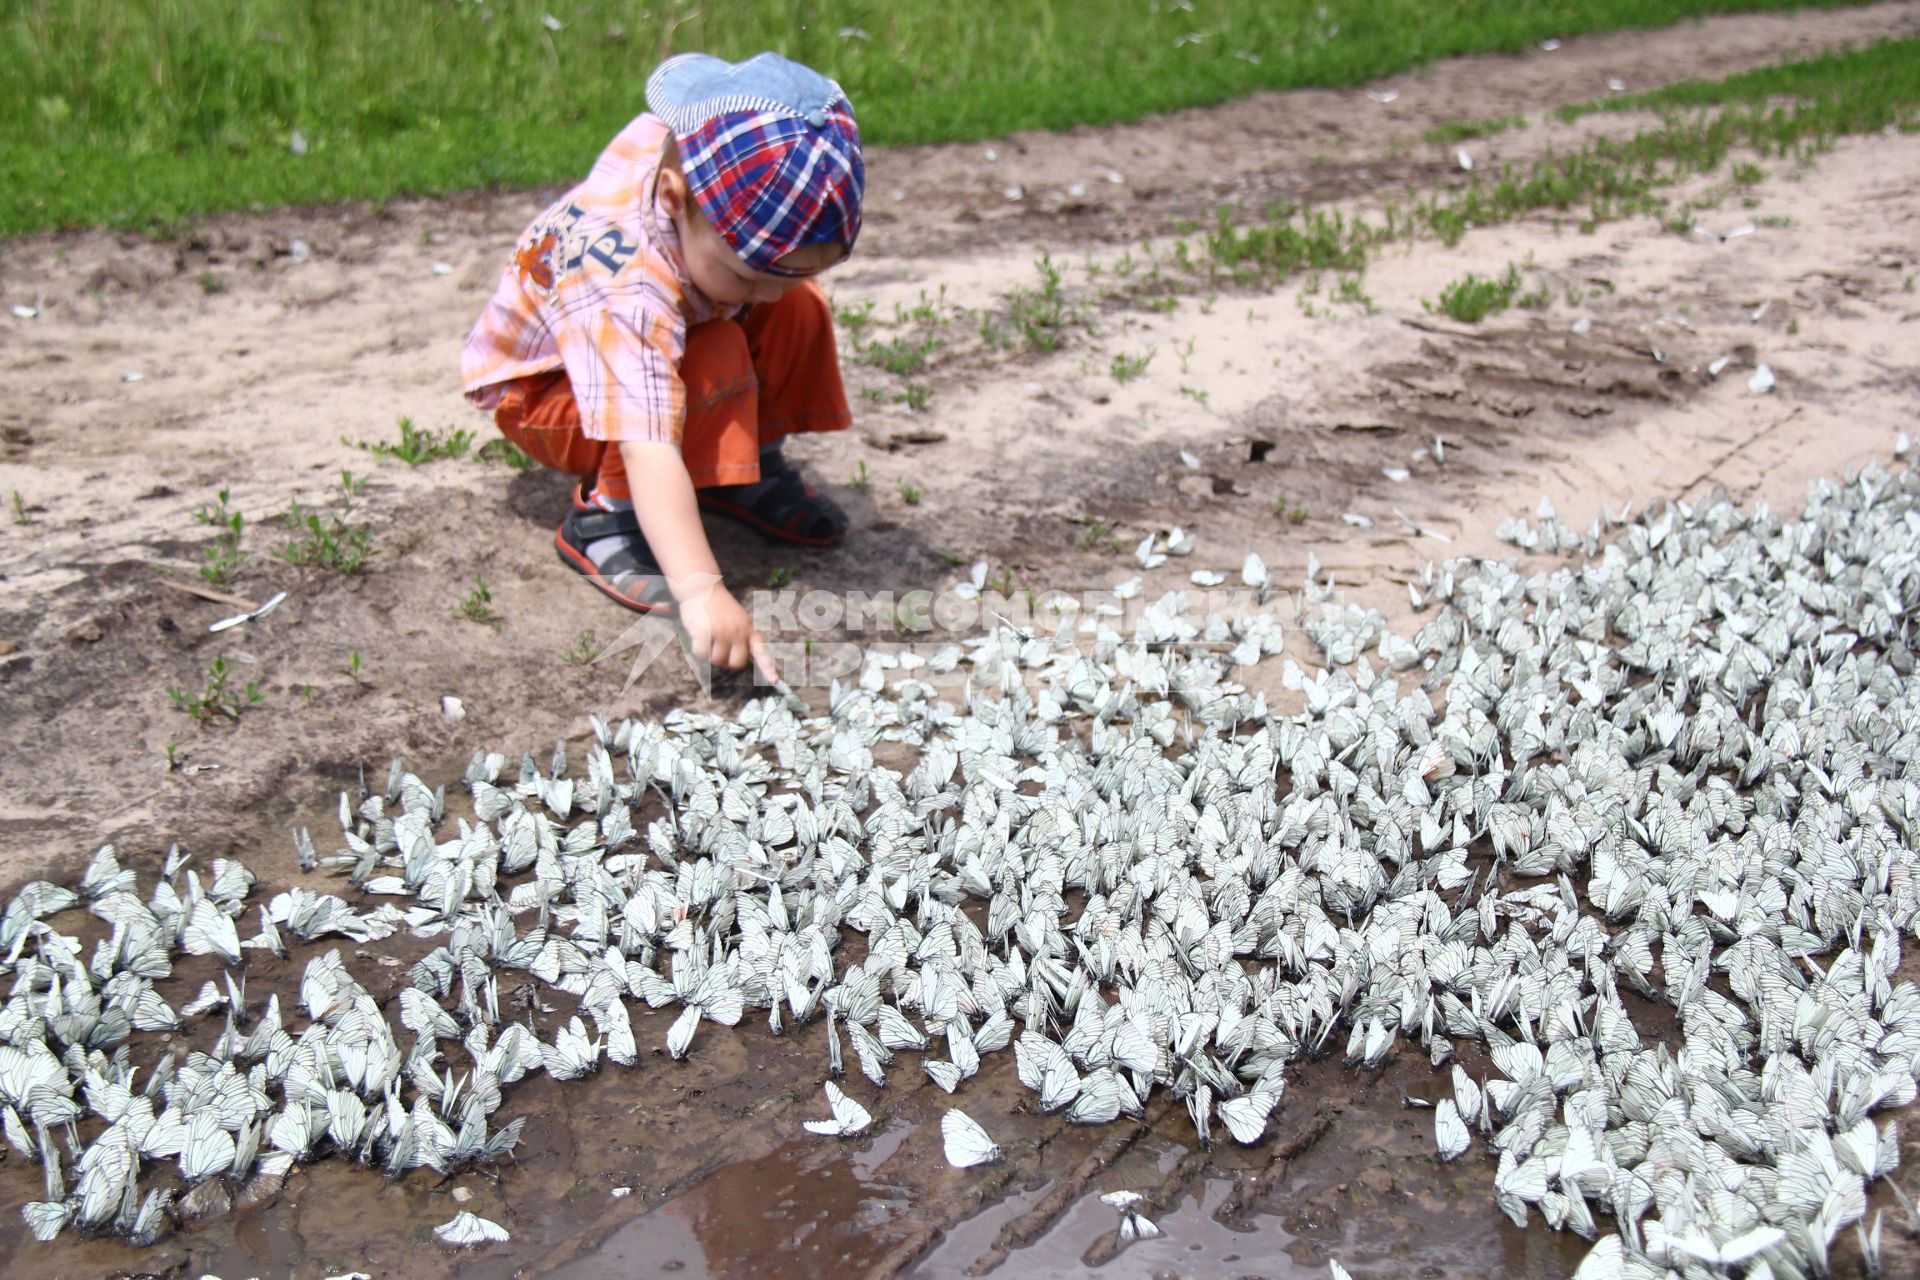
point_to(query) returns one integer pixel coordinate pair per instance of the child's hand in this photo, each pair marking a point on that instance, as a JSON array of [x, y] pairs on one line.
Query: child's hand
[[720, 632]]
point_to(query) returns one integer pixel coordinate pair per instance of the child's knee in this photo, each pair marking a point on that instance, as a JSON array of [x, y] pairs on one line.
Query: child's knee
[[717, 364]]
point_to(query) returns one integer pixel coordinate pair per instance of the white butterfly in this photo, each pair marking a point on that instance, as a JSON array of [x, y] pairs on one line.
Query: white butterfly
[[1735, 1251], [966, 1142], [208, 1149], [470, 1229], [616, 1025], [572, 1054], [1450, 1134], [849, 1117], [680, 1034], [1246, 1115], [422, 1016], [45, 1218], [1134, 1225], [210, 932]]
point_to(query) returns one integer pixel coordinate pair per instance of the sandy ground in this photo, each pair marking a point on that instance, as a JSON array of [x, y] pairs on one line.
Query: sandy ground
[[254, 359]]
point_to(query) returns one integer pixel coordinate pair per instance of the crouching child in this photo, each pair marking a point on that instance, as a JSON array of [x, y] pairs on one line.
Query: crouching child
[[659, 334]]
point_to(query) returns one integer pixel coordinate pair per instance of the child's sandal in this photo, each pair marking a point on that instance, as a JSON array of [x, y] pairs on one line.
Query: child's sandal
[[630, 576], [790, 511]]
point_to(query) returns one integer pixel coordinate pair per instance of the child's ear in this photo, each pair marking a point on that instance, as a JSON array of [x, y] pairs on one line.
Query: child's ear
[[673, 192]]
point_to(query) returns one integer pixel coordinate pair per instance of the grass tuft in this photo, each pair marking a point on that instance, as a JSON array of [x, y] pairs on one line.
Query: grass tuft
[[418, 444]]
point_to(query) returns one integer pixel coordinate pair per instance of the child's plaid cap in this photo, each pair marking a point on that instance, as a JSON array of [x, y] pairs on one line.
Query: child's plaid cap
[[770, 150]]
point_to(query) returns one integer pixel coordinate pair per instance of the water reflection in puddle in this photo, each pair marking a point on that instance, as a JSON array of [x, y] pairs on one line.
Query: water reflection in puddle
[[1193, 1247], [818, 1208]]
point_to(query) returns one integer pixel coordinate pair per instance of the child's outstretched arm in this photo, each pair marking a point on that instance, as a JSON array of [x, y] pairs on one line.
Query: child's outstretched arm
[[718, 628]]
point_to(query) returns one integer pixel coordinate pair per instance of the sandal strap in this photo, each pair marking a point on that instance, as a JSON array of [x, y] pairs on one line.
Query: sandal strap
[[792, 506], [590, 524]]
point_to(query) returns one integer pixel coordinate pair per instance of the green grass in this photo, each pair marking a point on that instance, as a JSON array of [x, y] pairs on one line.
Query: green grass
[[1465, 130], [146, 114], [1849, 83], [1794, 110]]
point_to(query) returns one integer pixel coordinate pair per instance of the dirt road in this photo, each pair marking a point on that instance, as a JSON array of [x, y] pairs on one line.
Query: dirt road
[[241, 357]]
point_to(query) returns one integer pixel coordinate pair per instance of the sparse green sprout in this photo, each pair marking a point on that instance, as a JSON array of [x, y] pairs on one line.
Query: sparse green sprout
[[927, 311], [1042, 315], [874, 395], [1349, 290], [327, 541], [352, 670], [1195, 394], [1002, 582], [215, 698], [781, 576], [583, 649], [861, 480], [915, 396], [22, 516], [1099, 533], [171, 748], [477, 605], [218, 561], [900, 355], [1747, 174], [1126, 368], [418, 445], [504, 450], [854, 319], [211, 284], [1289, 512], [910, 493]]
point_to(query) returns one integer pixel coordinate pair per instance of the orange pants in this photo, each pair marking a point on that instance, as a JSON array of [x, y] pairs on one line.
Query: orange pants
[[773, 373]]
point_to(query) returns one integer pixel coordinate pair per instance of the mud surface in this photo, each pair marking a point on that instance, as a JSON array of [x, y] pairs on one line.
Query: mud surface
[[256, 359]]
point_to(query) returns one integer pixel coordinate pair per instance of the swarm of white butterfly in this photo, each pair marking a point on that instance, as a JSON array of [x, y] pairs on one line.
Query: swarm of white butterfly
[[1678, 768]]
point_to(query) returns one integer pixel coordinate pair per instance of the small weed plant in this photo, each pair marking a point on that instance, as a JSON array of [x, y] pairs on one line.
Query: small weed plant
[[219, 560], [583, 649], [1126, 368], [1472, 299], [506, 452], [417, 444], [1291, 512], [325, 540], [216, 697], [477, 605]]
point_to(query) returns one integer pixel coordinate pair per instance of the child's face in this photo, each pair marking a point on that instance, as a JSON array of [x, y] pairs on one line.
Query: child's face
[[717, 271]]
